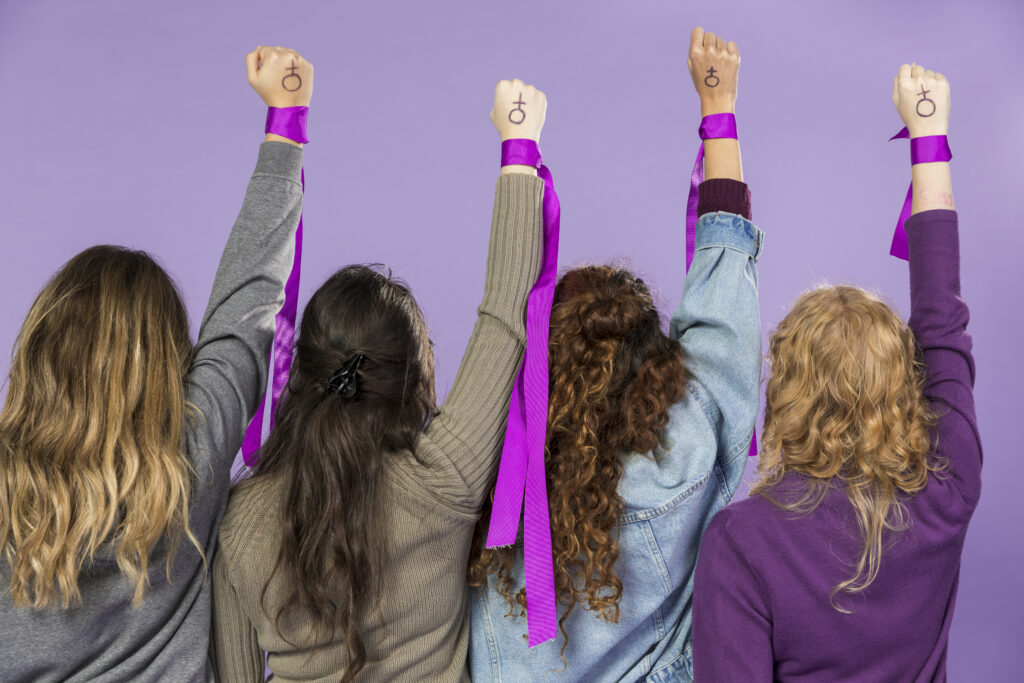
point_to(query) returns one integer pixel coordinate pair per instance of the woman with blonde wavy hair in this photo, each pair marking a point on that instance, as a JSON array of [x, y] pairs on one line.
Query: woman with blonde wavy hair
[[843, 564], [647, 438], [117, 437]]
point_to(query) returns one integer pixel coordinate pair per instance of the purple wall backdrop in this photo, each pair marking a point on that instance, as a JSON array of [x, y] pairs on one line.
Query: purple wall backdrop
[[132, 123]]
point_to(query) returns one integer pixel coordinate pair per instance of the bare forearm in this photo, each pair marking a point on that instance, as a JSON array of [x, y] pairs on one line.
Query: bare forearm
[[933, 187], [921, 97], [277, 138], [714, 67], [722, 159]]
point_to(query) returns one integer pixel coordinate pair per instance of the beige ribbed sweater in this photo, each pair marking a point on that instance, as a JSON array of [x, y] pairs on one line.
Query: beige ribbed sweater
[[432, 500]]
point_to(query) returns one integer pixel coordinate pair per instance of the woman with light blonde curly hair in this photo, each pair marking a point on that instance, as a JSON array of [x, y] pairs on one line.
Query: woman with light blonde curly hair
[[647, 437], [843, 564]]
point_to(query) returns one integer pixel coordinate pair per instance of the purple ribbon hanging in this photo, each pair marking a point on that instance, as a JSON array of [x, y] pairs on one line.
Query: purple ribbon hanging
[[521, 483], [288, 122], [713, 126], [923, 150]]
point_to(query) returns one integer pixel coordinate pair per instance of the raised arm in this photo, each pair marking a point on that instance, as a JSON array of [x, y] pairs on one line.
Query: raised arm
[[938, 315], [467, 433], [229, 371], [718, 322], [714, 66]]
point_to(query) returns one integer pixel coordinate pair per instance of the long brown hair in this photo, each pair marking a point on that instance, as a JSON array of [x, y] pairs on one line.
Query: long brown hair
[[332, 451], [845, 402], [613, 376], [91, 429]]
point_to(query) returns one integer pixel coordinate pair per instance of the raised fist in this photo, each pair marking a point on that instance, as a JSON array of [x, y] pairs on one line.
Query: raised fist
[[714, 67], [519, 110], [280, 76], [922, 100]]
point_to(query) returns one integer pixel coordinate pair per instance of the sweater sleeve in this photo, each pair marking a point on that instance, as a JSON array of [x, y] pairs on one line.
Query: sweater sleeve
[[468, 430], [732, 629], [229, 371], [724, 194], [938, 318], [234, 647], [718, 324]]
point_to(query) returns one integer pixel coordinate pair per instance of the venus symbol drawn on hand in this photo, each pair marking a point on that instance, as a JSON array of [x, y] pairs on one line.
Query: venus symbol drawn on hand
[[923, 100], [711, 77], [284, 81], [519, 108]]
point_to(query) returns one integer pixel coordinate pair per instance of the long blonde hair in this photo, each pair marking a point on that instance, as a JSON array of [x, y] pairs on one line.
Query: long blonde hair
[[845, 402], [91, 429]]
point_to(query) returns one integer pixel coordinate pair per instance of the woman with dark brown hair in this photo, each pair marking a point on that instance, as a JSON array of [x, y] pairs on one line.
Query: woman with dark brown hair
[[117, 437], [647, 435], [344, 556]]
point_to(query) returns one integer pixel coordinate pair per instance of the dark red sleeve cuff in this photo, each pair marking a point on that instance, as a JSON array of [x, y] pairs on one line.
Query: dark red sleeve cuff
[[724, 194]]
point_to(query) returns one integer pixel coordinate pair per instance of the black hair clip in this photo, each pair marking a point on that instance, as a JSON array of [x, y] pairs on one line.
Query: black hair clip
[[343, 382]]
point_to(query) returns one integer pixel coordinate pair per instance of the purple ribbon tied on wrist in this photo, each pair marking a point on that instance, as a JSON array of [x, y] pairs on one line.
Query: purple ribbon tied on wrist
[[923, 150], [288, 122], [712, 127], [522, 483]]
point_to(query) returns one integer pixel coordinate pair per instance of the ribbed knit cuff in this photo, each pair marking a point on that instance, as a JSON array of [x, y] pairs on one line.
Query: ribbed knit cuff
[[724, 194]]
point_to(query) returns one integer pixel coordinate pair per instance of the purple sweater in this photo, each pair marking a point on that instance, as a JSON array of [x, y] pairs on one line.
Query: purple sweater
[[761, 590]]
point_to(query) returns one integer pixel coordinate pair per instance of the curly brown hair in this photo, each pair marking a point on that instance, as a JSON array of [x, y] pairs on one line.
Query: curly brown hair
[[613, 376]]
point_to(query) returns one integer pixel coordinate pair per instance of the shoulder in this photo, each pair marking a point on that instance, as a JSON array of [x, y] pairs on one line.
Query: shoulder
[[742, 528], [252, 512]]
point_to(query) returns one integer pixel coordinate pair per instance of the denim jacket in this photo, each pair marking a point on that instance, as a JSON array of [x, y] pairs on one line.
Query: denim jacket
[[669, 495]]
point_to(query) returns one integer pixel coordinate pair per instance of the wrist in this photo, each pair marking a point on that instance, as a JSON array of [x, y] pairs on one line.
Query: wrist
[[278, 138], [518, 168], [709, 107], [926, 132], [515, 135]]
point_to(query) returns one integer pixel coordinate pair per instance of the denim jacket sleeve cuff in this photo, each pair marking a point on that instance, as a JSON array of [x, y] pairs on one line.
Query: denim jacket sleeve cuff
[[728, 230]]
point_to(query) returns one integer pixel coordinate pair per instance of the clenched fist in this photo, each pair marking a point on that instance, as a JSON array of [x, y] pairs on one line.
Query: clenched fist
[[519, 110], [280, 76], [715, 68], [922, 100]]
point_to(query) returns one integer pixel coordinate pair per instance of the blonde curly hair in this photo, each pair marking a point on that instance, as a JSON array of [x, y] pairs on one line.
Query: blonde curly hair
[[845, 401]]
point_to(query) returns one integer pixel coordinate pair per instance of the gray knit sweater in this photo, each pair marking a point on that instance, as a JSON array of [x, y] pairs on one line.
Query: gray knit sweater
[[432, 500], [166, 639]]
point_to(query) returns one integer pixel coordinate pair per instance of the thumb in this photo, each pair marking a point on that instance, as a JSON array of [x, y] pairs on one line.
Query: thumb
[[252, 61]]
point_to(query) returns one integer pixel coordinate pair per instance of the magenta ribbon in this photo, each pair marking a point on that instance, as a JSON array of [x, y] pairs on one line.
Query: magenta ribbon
[[923, 150], [522, 456], [711, 127], [288, 122]]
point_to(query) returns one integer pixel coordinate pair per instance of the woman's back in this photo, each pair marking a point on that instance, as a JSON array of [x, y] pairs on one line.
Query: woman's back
[[413, 624], [766, 574], [797, 561], [412, 634], [669, 494], [166, 638]]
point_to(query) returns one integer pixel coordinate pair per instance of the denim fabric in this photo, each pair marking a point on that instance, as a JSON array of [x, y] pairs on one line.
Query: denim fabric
[[669, 495]]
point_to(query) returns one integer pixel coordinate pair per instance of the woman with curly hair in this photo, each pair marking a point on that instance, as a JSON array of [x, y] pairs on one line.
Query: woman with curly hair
[[647, 435], [343, 558], [844, 564], [117, 437]]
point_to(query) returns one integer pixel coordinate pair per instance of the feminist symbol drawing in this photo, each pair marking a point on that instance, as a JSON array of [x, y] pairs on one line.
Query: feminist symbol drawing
[[925, 99], [711, 77], [519, 108], [298, 78]]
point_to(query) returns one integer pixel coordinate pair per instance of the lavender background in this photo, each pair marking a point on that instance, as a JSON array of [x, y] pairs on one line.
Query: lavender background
[[132, 123]]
